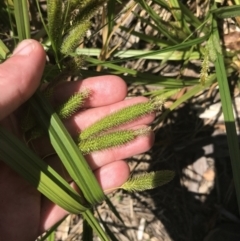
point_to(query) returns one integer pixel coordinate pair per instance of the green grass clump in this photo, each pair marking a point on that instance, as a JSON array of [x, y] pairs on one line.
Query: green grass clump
[[181, 38]]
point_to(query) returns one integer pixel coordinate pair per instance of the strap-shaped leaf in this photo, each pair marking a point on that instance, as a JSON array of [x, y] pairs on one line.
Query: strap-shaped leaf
[[92, 221], [183, 45], [22, 19], [226, 101], [21, 159], [227, 12], [67, 150]]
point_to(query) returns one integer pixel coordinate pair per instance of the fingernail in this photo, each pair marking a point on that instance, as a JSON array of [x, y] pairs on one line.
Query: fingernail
[[24, 48]]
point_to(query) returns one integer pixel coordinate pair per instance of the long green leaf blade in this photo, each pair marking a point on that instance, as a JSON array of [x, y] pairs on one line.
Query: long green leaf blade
[[176, 47], [227, 12], [88, 216], [176, 55], [229, 119], [38, 173], [22, 19], [67, 151], [3, 51]]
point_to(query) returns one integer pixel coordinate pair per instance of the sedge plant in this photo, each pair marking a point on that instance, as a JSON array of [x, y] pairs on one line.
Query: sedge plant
[[182, 37], [65, 31], [67, 22]]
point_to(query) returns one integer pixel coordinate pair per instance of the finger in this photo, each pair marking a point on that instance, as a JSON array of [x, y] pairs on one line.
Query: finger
[[140, 145], [85, 118], [104, 90], [101, 158], [109, 177], [20, 75]]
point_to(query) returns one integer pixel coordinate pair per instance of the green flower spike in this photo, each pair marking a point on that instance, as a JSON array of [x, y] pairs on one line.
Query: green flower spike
[[212, 48], [55, 22], [147, 181], [109, 140], [205, 67], [73, 104], [122, 116], [74, 37]]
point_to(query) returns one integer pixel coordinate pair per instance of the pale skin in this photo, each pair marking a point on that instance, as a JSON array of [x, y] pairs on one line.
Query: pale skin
[[24, 212]]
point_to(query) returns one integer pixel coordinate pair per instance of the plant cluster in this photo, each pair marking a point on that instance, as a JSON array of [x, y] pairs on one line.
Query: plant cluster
[[182, 38], [67, 24]]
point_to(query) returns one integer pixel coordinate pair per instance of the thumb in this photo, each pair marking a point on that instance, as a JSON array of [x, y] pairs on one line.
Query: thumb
[[20, 75]]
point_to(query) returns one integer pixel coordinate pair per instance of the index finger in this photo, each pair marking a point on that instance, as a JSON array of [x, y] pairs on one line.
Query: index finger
[[104, 90]]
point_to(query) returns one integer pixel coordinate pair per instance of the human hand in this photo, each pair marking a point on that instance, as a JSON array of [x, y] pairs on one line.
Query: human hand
[[24, 212]]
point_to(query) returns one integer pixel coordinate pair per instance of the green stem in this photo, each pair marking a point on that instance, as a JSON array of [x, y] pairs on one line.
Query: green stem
[[89, 217], [229, 119], [22, 19]]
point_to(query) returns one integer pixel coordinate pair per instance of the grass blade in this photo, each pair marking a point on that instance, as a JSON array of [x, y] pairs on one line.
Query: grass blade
[[227, 12], [113, 209], [176, 47], [158, 21], [3, 50], [21, 159], [67, 151], [48, 234], [196, 89], [176, 55], [22, 19], [87, 233], [229, 119], [88, 216], [107, 229]]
